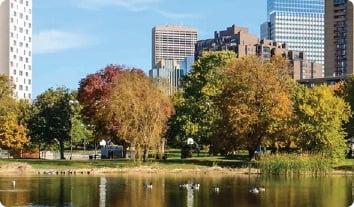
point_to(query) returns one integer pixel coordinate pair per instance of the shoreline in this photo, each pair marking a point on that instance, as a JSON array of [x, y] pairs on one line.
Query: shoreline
[[23, 169]]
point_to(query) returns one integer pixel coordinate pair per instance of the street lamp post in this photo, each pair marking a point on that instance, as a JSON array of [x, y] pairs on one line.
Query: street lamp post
[[71, 103]]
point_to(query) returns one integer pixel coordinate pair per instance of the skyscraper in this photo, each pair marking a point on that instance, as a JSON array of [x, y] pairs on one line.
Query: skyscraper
[[172, 55], [339, 39], [16, 45], [172, 43], [299, 24]]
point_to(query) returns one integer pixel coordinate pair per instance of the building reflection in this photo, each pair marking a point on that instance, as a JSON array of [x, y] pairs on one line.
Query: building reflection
[[103, 189]]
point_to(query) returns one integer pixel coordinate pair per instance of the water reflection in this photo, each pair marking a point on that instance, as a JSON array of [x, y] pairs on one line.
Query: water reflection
[[103, 182], [129, 191]]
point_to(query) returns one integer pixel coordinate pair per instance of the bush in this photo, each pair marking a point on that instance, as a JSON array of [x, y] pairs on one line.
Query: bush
[[294, 164]]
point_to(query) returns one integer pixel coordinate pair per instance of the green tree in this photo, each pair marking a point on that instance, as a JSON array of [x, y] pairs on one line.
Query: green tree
[[196, 112], [320, 115], [51, 118], [255, 102]]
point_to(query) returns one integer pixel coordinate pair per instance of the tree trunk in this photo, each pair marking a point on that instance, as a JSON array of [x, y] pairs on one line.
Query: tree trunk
[[39, 151], [61, 145], [146, 154], [251, 153]]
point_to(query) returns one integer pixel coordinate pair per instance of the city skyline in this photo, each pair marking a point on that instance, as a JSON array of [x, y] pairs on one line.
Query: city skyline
[[92, 35]]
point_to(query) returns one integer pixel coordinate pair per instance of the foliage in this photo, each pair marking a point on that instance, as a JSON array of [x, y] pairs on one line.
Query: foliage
[[255, 103], [196, 112], [13, 136], [320, 115], [348, 95], [13, 133], [93, 92], [50, 122], [139, 111], [294, 164]]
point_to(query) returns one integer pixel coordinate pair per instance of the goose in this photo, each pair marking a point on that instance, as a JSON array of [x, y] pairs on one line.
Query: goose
[[148, 186], [183, 186], [14, 184], [349, 206], [1, 205], [196, 186], [216, 189], [254, 191]]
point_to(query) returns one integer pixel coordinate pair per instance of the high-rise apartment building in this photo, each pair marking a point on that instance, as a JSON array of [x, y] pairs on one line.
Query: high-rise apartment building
[[299, 24], [240, 41], [339, 39], [172, 43], [16, 45]]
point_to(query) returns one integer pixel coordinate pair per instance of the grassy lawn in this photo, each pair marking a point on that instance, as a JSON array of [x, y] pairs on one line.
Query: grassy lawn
[[173, 162]]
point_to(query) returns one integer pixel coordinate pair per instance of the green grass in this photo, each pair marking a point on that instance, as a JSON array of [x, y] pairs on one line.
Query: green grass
[[288, 164], [173, 162]]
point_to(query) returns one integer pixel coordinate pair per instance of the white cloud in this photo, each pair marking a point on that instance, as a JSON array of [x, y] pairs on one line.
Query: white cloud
[[174, 15], [52, 41], [134, 6]]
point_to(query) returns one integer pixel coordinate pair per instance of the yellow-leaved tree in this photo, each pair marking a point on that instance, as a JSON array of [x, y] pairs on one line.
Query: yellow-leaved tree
[[256, 102], [139, 110]]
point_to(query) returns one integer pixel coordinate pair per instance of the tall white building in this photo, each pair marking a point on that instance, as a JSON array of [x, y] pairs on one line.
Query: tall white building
[[299, 24], [16, 45], [172, 43]]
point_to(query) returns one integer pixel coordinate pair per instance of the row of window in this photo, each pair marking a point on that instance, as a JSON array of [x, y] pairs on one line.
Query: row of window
[[29, 67], [25, 53]]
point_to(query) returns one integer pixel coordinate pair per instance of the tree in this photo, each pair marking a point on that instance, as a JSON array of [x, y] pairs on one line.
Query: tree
[[13, 136], [51, 119], [139, 110], [320, 115], [13, 133], [255, 102], [196, 112], [92, 95], [346, 90]]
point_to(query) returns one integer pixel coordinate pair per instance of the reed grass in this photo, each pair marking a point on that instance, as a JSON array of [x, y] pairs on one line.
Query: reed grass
[[294, 164]]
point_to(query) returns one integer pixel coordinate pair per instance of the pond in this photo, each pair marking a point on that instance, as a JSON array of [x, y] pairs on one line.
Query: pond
[[129, 191]]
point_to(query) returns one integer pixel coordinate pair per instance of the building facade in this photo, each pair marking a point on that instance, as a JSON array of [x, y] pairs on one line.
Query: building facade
[[240, 41], [339, 39], [16, 45], [299, 24], [167, 75], [172, 43]]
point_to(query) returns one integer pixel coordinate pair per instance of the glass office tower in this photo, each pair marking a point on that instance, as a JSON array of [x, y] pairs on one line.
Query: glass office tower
[[299, 23]]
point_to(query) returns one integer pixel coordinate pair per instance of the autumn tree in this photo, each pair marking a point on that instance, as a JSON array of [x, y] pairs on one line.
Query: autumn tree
[[13, 132], [93, 93], [196, 112], [256, 101], [139, 111], [320, 116]]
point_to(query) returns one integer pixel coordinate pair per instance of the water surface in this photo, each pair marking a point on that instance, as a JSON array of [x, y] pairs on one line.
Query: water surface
[[128, 191]]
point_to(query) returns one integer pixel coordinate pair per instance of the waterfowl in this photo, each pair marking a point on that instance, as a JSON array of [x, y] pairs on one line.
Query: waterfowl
[[349, 206], [148, 186], [254, 191], [1, 205], [216, 189], [196, 186]]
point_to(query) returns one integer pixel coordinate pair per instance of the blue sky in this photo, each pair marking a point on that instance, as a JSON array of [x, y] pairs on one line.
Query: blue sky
[[73, 38]]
